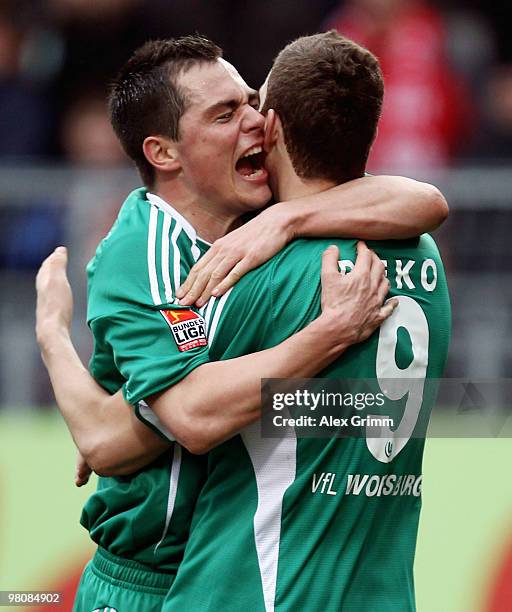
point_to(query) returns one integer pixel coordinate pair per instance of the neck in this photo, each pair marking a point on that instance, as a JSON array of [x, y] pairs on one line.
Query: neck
[[209, 221], [287, 185]]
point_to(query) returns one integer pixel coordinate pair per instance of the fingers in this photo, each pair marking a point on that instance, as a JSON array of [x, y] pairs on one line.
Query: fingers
[[58, 258], [388, 308], [61, 250], [221, 280], [241, 269], [215, 278], [382, 288], [82, 471], [53, 267], [330, 270], [329, 275], [363, 262], [330, 261], [194, 272], [81, 481], [375, 319], [206, 280], [377, 270], [194, 286], [224, 269], [82, 476]]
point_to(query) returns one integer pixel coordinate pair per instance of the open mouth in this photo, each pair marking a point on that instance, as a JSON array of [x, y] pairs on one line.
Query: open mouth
[[250, 165]]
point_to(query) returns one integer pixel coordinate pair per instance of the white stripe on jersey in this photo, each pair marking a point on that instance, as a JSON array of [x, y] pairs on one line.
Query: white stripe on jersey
[[167, 243], [158, 207], [180, 220], [207, 312], [173, 489], [165, 257], [153, 279], [218, 312], [177, 255], [274, 463], [148, 415]]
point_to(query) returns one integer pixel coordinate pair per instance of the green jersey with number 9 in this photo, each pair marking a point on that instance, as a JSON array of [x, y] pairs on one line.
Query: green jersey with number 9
[[319, 524]]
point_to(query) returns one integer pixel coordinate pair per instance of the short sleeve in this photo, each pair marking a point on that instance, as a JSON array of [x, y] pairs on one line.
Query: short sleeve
[[153, 348]]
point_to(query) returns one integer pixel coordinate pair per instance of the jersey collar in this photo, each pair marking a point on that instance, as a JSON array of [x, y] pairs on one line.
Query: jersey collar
[[178, 217]]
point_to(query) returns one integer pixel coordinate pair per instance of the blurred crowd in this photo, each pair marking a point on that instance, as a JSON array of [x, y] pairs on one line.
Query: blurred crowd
[[448, 69]]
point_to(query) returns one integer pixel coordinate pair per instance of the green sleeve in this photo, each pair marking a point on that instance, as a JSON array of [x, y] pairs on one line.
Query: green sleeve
[[150, 348]]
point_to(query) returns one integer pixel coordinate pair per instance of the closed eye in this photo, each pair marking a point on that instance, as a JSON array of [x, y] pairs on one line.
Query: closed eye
[[225, 117]]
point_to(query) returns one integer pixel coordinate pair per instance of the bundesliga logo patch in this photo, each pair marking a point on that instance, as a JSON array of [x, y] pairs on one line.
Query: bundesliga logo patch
[[188, 328]]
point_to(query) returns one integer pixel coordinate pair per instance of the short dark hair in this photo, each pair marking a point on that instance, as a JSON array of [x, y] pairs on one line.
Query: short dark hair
[[146, 98], [328, 92]]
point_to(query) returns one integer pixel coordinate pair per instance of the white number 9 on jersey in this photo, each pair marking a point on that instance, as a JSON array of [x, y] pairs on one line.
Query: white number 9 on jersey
[[396, 382]]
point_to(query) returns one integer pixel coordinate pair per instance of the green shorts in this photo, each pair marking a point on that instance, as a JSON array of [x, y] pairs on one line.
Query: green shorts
[[120, 585]]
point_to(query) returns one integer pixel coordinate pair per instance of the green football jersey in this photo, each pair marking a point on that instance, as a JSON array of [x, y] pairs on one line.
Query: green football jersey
[[317, 524], [144, 343]]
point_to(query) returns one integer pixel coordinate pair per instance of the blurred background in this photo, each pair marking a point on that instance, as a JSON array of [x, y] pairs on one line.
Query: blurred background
[[447, 119]]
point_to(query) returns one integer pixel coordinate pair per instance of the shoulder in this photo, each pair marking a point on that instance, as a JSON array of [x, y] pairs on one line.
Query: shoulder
[[296, 269], [304, 256], [428, 245], [128, 232], [303, 248], [140, 260]]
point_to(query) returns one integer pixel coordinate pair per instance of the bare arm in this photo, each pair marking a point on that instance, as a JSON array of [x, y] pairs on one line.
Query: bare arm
[[352, 308], [102, 426], [369, 208], [105, 429], [218, 399]]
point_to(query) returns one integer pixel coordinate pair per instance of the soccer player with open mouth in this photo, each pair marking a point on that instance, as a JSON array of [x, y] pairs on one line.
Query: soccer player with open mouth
[[199, 157]]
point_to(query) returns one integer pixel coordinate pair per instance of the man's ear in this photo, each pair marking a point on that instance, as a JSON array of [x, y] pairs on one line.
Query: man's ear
[[272, 129], [161, 153]]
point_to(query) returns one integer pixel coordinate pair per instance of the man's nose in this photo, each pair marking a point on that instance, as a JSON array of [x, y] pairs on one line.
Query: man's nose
[[253, 120]]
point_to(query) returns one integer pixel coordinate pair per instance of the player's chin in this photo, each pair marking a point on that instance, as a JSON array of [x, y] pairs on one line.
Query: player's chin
[[258, 200], [254, 194]]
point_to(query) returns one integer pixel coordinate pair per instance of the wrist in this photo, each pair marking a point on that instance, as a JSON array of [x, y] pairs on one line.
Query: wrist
[[51, 335], [326, 329], [285, 216]]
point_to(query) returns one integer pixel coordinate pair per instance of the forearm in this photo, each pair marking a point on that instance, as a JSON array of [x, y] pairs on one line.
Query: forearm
[[218, 399], [105, 429], [369, 208]]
